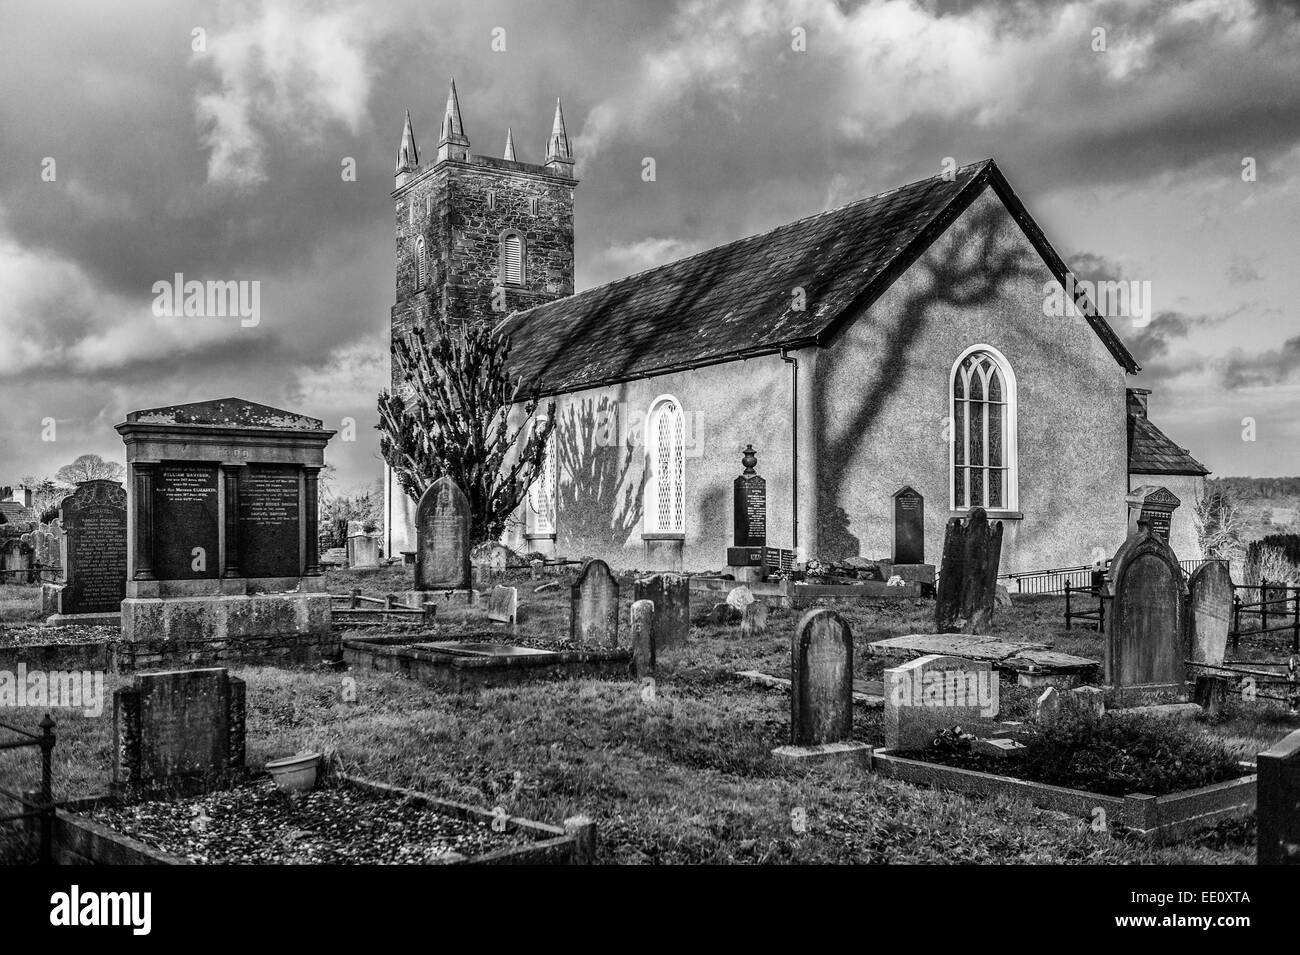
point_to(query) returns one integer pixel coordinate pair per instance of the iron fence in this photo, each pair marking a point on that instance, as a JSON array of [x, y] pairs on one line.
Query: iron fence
[[42, 807]]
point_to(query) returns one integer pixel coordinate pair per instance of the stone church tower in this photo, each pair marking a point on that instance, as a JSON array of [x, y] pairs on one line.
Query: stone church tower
[[477, 238]]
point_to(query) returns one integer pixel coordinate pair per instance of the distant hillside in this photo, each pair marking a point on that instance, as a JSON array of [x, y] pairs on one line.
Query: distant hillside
[[1266, 505]]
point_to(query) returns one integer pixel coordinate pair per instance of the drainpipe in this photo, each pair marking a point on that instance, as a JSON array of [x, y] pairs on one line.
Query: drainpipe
[[794, 446]]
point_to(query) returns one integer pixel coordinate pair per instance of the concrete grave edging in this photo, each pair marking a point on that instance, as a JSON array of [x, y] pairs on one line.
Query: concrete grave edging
[[1158, 818]]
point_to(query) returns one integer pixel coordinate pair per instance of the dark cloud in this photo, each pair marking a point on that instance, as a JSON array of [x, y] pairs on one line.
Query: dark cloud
[[1272, 367], [226, 164]]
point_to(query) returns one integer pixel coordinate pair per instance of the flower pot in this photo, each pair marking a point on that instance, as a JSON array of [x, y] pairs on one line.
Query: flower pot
[[295, 773]]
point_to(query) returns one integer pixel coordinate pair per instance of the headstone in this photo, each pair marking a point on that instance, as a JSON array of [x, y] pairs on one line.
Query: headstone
[[753, 621], [821, 677], [749, 503], [1278, 803], [671, 595], [179, 731], [1091, 698], [1209, 611], [642, 626], [593, 617], [1154, 505], [363, 552], [503, 605], [442, 522], [535, 568], [1047, 705], [1145, 632], [909, 526], [968, 577], [739, 598], [933, 693], [93, 518], [1002, 598]]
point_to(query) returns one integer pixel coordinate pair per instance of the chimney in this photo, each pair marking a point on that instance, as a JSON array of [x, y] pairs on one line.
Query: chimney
[[1137, 401]]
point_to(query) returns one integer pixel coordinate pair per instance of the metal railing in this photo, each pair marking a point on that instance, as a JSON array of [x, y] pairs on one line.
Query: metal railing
[[1268, 598], [1096, 614], [43, 806], [1055, 580]]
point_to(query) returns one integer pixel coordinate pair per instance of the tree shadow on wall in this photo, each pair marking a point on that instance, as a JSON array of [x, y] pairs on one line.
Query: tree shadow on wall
[[965, 269], [598, 499]]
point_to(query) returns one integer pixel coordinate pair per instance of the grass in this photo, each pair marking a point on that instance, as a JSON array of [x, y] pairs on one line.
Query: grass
[[687, 778]]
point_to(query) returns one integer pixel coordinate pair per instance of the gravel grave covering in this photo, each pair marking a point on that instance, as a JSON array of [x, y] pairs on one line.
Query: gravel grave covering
[[335, 824], [30, 636]]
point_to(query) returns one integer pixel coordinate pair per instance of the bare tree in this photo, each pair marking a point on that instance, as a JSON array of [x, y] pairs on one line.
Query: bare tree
[[1218, 522], [89, 467], [452, 416]]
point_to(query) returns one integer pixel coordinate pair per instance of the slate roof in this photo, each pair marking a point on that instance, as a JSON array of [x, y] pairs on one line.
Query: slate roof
[[735, 300], [1151, 452]]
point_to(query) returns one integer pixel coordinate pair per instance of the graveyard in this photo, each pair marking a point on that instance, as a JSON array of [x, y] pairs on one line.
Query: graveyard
[[674, 767]]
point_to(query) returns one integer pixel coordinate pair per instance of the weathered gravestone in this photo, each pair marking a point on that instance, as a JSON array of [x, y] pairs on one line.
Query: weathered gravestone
[[363, 552], [93, 579], [821, 676], [642, 628], [593, 601], [1145, 632], [671, 595], [1209, 610], [753, 621], [821, 691], [933, 693], [180, 731], [1278, 803], [442, 534], [968, 577], [909, 526], [503, 605]]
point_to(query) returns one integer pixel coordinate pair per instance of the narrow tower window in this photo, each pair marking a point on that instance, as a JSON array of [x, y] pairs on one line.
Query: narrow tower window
[[512, 259], [421, 264]]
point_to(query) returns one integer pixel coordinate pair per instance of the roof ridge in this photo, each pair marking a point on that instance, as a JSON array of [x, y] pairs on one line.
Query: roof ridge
[[737, 242]]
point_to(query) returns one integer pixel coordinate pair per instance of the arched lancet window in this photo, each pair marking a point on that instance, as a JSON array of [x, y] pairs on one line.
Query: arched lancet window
[[665, 493], [542, 495], [983, 392], [421, 263], [512, 258]]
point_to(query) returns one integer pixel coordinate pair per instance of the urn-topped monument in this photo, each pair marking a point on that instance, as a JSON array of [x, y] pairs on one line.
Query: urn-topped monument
[[221, 522]]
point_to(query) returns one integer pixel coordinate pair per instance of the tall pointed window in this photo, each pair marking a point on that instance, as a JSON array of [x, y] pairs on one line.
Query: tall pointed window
[[512, 259], [665, 493], [983, 431], [542, 494], [421, 263]]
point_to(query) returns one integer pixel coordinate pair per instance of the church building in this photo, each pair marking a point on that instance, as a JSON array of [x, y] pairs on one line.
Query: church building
[[900, 341]]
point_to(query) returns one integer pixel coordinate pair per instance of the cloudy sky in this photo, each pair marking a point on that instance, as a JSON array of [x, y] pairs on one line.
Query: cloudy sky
[[225, 163]]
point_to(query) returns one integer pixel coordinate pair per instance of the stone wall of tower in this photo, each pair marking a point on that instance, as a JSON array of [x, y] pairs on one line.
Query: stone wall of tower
[[462, 209]]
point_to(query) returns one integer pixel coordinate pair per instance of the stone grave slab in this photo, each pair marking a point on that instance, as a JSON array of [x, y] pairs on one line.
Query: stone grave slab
[[461, 648], [180, 730], [936, 692]]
